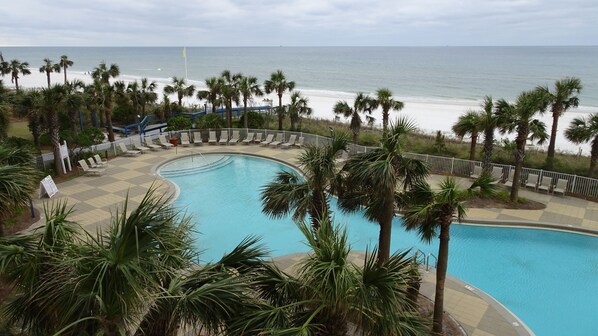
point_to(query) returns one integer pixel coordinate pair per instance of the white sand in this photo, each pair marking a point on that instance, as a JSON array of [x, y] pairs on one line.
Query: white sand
[[430, 116]]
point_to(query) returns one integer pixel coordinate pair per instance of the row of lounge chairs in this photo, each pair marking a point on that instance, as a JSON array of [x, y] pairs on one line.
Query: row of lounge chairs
[[94, 165], [546, 184], [255, 138]]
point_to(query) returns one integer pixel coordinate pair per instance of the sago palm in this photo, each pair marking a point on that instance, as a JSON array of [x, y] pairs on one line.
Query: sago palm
[[582, 130]]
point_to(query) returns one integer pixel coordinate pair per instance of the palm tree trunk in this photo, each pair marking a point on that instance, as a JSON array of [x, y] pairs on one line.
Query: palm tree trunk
[[48, 77], [319, 209], [519, 155], [280, 112], [65, 75], [386, 229], [55, 140], [229, 113], [246, 117], [17, 83], [474, 141], [384, 123], [443, 254], [488, 149], [108, 114], [551, 146], [593, 157]]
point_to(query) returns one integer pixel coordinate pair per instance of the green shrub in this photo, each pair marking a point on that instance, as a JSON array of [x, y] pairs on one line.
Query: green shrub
[[179, 123], [256, 120], [210, 120], [90, 137]]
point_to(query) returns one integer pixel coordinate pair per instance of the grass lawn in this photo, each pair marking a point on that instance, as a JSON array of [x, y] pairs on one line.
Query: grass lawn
[[19, 129]]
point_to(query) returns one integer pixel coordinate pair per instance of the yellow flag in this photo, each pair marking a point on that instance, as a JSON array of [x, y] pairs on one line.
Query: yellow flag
[[185, 52]]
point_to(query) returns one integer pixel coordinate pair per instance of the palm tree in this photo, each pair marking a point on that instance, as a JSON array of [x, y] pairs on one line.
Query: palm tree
[[489, 124], [65, 63], [179, 86], [373, 178], [17, 67], [51, 101], [519, 117], [583, 130], [248, 87], [48, 68], [469, 123], [386, 102], [212, 94], [73, 101], [279, 84], [19, 178], [4, 110], [147, 94], [229, 91], [297, 107], [561, 99], [290, 192], [362, 104], [427, 211], [102, 74]]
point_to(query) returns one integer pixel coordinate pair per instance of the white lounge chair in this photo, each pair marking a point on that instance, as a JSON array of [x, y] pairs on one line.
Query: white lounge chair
[[545, 184], [477, 172], [279, 139], [90, 171], [561, 187], [127, 151], [149, 143], [137, 145], [258, 138], [91, 163], [223, 138], [197, 138], [249, 138], [234, 138], [185, 139], [268, 140], [509, 181], [532, 181], [299, 142], [291, 141], [99, 161], [162, 142], [497, 173], [212, 139]]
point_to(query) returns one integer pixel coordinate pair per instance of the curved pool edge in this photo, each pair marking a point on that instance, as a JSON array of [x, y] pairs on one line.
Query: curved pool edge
[[529, 225]]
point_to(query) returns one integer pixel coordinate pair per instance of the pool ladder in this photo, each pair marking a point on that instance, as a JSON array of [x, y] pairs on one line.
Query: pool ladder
[[424, 259]]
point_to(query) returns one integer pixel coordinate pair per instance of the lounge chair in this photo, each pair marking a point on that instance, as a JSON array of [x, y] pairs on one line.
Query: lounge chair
[[561, 187], [149, 143], [497, 173], [268, 140], [509, 181], [299, 142], [90, 171], [545, 184], [279, 139], [212, 139], [342, 158], [91, 163], [137, 145], [185, 139], [291, 141], [234, 138], [99, 161], [258, 138], [126, 151], [532, 181], [197, 138], [477, 172], [249, 138], [223, 138], [162, 142]]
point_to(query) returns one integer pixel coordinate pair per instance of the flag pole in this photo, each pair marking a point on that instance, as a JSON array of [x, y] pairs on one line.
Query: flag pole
[[185, 57]]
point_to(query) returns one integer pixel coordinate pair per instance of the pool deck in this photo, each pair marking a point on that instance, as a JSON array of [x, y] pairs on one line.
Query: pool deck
[[96, 198]]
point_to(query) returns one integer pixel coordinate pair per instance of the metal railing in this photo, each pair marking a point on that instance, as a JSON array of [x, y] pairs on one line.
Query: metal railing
[[580, 186]]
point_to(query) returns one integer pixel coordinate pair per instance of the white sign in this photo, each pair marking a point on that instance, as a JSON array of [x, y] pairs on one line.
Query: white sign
[[47, 187]]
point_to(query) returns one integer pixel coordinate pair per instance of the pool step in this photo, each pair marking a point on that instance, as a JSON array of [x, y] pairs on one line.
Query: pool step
[[198, 167]]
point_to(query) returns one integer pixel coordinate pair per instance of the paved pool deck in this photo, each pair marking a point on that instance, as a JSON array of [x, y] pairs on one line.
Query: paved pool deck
[[96, 198]]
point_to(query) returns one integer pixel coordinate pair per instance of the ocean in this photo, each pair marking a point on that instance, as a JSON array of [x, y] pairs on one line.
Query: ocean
[[438, 82]]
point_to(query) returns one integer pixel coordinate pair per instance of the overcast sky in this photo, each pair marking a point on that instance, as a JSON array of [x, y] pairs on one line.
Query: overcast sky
[[298, 22]]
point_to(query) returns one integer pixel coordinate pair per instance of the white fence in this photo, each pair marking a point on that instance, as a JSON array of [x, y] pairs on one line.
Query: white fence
[[580, 186]]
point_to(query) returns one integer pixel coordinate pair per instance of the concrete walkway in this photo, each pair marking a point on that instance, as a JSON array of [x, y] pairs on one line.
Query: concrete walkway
[[96, 198]]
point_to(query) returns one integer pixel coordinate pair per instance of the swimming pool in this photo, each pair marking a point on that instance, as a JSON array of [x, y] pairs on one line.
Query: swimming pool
[[549, 279]]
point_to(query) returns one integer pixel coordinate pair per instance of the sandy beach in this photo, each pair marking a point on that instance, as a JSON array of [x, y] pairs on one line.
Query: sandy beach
[[429, 115]]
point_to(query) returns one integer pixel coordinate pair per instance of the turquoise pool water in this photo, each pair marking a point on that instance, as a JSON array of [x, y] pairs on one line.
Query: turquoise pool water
[[547, 278]]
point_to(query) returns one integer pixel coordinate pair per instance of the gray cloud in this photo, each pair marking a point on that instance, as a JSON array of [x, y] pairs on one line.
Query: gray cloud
[[298, 22]]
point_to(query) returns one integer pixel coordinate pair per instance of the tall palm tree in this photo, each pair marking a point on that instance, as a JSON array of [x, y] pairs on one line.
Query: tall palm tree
[[469, 123], [362, 104], [583, 130], [52, 99], [65, 63], [147, 94], [297, 107], [48, 68], [386, 102], [428, 211], [17, 67], [129, 93], [561, 99], [179, 86], [212, 94], [248, 87], [230, 93], [19, 178], [4, 110], [489, 124], [278, 83], [290, 192], [372, 180], [102, 74], [73, 101], [520, 117]]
